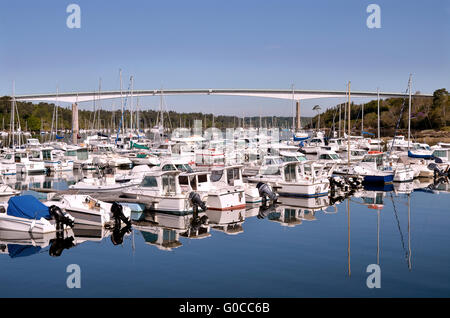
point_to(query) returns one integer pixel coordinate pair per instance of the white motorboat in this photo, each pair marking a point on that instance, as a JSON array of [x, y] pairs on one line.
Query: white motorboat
[[304, 180], [106, 183], [325, 155], [87, 210], [53, 159], [24, 164], [163, 190], [28, 214]]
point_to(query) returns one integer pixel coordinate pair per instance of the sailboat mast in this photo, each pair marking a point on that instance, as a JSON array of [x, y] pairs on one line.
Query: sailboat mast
[[99, 102], [293, 109], [409, 112], [340, 106], [362, 119], [13, 115], [56, 110], [349, 129], [378, 115], [131, 104], [121, 99]]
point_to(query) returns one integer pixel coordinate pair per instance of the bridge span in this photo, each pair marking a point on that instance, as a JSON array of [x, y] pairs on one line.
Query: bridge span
[[78, 97]]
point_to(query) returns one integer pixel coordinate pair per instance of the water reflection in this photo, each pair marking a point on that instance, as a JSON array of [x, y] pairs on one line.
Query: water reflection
[[400, 226]]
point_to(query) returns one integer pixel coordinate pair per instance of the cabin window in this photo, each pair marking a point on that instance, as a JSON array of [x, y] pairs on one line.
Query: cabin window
[[17, 158], [439, 153], [149, 182], [289, 159], [216, 175], [169, 185], [301, 158], [71, 153], [168, 168], [184, 180], [233, 174], [324, 157], [35, 154], [82, 154], [289, 173], [202, 178], [47, 154], [193, 182]]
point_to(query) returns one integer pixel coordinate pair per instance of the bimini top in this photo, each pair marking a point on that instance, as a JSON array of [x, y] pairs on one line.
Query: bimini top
[[27, 207]]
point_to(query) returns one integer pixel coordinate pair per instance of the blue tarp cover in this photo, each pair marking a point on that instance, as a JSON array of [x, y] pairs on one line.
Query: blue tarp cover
[[28, 207], [59, 137]]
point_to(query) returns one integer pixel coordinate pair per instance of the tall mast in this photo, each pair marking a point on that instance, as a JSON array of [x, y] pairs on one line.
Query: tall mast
[[121, 99], [409, 112], [137, 115], [99, 102], [131, 104], [362, 119], [340, 106], [349, 129], [378, 112], [13, 115], [56, 111], [345, 112], [293, 108]]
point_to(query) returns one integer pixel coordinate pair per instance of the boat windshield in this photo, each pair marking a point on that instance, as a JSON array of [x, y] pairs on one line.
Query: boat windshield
[[184, 167], [334, 156], [274, 161], [149, 182], [216, 175], [270, 171], [377, 159]]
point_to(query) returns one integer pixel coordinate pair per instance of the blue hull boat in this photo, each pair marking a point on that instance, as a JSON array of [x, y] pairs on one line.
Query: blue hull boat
[[419, 156], [379, 179]]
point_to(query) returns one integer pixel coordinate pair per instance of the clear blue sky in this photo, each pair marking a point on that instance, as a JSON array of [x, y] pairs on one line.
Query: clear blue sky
[[224, 44]]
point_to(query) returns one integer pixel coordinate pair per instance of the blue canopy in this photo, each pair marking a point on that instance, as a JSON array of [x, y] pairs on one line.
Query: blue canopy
[[59, 137], [28, 207], [368, 133], [16, 250]]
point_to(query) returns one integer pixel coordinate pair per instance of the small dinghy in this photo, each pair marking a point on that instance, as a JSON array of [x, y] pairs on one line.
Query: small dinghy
[[27, 214]]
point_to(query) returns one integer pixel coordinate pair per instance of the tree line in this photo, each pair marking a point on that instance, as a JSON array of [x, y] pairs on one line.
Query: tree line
[[36, 117], [426, 113]]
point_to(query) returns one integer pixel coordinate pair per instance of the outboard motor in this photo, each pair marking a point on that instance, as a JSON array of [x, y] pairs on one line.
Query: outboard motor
[[197, 222], [119, 232], [266, 192], [196, 201], [117, 212], [59, 244], [60, 218], [265, 210]]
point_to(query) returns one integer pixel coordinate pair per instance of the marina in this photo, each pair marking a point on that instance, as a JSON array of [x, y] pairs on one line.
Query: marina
[[216, 157], [250, 213]]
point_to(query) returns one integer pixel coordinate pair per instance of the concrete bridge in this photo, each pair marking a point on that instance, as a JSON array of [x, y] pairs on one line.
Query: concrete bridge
[[78, 97]]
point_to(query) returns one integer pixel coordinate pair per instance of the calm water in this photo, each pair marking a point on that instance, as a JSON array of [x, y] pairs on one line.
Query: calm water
[[282, 251]]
